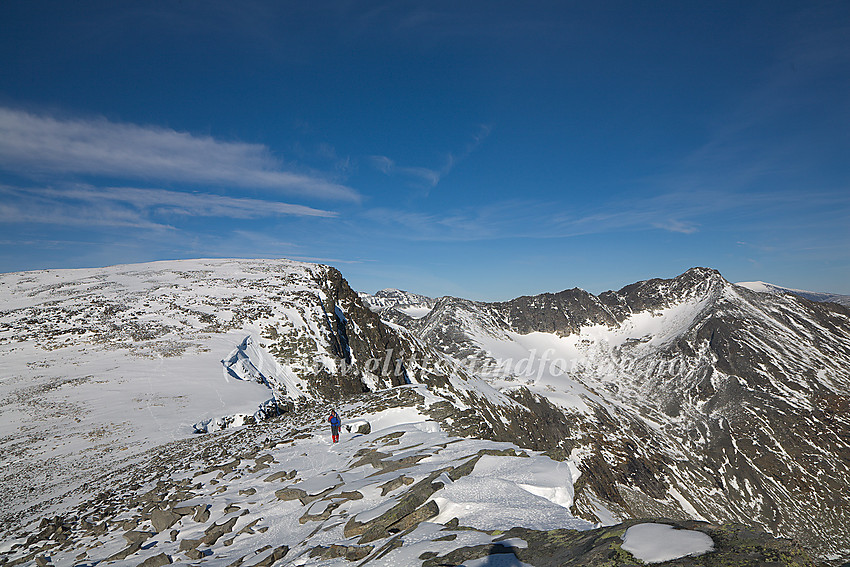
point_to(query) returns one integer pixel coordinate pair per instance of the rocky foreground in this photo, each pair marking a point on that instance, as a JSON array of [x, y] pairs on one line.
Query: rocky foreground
[[396, 491]]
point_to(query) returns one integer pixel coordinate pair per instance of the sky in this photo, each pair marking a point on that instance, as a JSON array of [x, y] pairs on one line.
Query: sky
[[483, 149]]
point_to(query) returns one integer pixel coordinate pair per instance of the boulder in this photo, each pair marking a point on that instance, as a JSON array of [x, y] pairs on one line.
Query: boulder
[[281, 475], [156, 561], [272, 557], [124, 553], [407, 505], [291, 493], [134, 536], [202, 514], [215, 531], [163, 519], [350, 552], [187, 544], [397, 482]]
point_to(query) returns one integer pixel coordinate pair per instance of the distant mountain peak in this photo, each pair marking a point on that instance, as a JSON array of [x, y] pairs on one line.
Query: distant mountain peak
[[765, 287], [406, 303]]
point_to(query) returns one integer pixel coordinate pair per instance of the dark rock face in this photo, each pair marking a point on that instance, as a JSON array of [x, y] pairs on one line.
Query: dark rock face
[[396, 299], [534, 422], [561, 313], [372, 340], [659, 293]]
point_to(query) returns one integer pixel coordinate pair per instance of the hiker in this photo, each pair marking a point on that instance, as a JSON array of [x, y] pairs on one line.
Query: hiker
[[335, 423]]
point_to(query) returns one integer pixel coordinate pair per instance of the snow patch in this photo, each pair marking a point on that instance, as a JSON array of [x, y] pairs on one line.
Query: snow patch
[[415, 312], [395, 417], [654, 543], [532, 492]]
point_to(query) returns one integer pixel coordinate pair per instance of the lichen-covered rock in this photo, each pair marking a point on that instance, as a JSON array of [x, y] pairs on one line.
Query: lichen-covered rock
[[395, 483], [276, 555], [136, 536], [407, 505], [161, 520], [290, 493], [280, 475], [349, 552], [124, 553], [187, 544], [202, 514], [215, 531]]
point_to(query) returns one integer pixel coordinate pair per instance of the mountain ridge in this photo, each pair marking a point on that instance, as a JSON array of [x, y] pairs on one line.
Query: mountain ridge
[[671, 398], [764, 287], [693, 355]]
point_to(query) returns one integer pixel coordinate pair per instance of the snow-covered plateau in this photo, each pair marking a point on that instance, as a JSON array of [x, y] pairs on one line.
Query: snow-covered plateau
[[175, 411]]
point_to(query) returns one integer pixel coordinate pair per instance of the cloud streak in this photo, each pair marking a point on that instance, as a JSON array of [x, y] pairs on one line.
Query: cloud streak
[[32, 144], [84, 205], [684, 213], [430, 176]]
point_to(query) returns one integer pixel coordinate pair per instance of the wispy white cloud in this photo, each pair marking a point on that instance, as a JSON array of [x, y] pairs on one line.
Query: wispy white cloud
[[37, 144], [431, 176], [674, 225], [41, 207], [194, 204], [84, 205], [685, 213]]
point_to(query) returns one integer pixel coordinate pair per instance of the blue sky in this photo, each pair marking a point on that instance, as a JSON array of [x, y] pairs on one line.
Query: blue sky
[[484, 149]]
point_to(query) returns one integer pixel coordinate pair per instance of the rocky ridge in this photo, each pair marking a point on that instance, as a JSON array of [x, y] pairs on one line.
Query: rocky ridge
[[279, 494], [683, 397]]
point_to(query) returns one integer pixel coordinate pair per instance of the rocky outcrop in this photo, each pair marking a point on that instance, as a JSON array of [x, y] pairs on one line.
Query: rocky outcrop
[[734, 545], [220, 476]]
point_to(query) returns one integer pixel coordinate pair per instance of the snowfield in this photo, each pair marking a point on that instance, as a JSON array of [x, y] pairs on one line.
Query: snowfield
[[97, 365]]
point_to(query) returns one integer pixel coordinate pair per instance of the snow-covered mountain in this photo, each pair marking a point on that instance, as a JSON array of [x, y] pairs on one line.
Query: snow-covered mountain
[[689, 398], [99, 365], [410, 304], [764, 287]]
